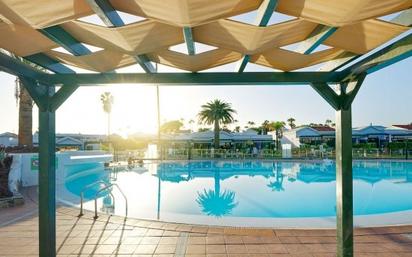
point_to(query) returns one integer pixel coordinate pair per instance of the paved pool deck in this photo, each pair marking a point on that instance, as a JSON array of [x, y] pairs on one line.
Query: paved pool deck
[[119, 236]]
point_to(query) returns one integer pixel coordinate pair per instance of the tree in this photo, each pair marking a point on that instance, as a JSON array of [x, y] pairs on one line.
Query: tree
[[25, 102], [203, 129], [173, 126], [107, 101], [328, 122], [237, 129], [191, 122], [291, 123], [265, 127], [278, 127], [218, 113]]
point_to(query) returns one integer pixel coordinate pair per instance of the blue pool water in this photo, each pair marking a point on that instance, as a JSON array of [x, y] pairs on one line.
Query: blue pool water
[[216, 190]]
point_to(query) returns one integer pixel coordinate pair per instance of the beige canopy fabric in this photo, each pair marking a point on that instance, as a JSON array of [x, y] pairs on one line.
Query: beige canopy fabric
[[23, 40], [202, 61], [137, 38], [249, 39], [186, 12], [212, 23], [43, 13], [337, 13], [100, 61], [286, 60], [364, 36]]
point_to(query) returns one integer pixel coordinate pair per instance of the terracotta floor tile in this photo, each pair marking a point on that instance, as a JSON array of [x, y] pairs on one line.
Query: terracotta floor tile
[[212, 249], [145, 249], [232, 249], [196, 249], [165, 249]]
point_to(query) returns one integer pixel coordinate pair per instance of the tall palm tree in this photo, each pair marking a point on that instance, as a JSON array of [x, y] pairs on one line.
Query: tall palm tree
[[216, 203], [291, 123], [278, 128], [25, 103], [107, 101], [216, 112]]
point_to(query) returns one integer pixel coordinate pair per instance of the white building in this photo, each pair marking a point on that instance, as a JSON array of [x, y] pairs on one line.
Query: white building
[[8, 139]]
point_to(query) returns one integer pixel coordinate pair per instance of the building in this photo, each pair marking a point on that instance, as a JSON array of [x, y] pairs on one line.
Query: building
[[308, 135], [8, 139], [380, 135], [75, 141], [227, 139]]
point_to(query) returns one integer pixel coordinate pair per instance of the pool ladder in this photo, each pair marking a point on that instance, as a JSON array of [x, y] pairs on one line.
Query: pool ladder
[[106, 186]]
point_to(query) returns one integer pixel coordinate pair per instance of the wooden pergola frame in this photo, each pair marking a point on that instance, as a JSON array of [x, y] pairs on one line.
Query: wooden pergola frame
[[42, 87]]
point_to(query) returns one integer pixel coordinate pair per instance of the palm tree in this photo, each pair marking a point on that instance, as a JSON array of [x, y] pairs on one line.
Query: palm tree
[[278, 128], [215, 203], [291, 123], [107, 101], [216, 112], [328, 122], [25, 102], [191, 122], [265, 127]]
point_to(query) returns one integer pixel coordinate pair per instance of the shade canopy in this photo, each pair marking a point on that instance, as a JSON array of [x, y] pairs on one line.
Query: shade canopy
[[36, 28]]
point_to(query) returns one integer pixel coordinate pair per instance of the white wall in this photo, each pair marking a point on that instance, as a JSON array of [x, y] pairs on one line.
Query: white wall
[[25, 169]]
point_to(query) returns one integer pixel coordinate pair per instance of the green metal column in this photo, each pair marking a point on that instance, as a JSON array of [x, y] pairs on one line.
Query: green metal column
[[344, 186], [47, 180]]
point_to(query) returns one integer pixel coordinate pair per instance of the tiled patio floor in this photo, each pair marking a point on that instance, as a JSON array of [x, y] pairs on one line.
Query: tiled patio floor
[[117, 236]]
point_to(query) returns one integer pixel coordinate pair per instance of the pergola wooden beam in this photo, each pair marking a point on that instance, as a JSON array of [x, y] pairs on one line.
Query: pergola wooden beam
[[183, 79], [48, 63], [190, 43], [265, 11], [316, 38], [65, 40], [111, 18]]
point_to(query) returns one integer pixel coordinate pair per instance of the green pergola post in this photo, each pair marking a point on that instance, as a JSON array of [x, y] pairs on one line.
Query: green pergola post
[[344, 183], [47, 180], [342, 103], [48, 101]]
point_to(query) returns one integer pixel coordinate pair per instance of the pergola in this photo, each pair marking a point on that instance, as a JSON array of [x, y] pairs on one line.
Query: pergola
[[350, 28]]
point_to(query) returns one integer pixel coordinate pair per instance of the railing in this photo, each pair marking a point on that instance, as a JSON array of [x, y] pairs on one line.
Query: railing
[[299, 153], [99, 182], [106, 188]]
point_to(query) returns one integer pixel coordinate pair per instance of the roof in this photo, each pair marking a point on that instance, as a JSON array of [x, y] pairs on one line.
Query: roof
[[8, 134], [49, 24], [408, 127], [69, 141], [322, 128]]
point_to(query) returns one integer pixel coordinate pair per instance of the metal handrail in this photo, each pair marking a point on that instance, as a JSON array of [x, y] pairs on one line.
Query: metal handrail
[[105, 188], [86, 188]]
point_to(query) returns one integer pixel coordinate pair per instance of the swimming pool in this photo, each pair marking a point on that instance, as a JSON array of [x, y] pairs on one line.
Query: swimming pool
[[247, 193]]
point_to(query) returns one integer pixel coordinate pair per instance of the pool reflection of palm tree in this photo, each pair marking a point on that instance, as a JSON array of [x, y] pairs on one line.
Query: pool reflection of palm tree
[[216, 203], [277, 185]]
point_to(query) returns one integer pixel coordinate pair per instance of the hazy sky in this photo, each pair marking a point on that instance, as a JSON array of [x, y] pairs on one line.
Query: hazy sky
[[385, 98]]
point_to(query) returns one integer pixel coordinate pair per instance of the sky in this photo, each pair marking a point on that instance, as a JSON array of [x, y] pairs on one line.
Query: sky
[[385, 98]]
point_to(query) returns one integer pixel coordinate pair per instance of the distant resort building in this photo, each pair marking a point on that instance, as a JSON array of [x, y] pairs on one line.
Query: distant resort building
[[8, 139], [205, 139], [380, 135], [75, 141]]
